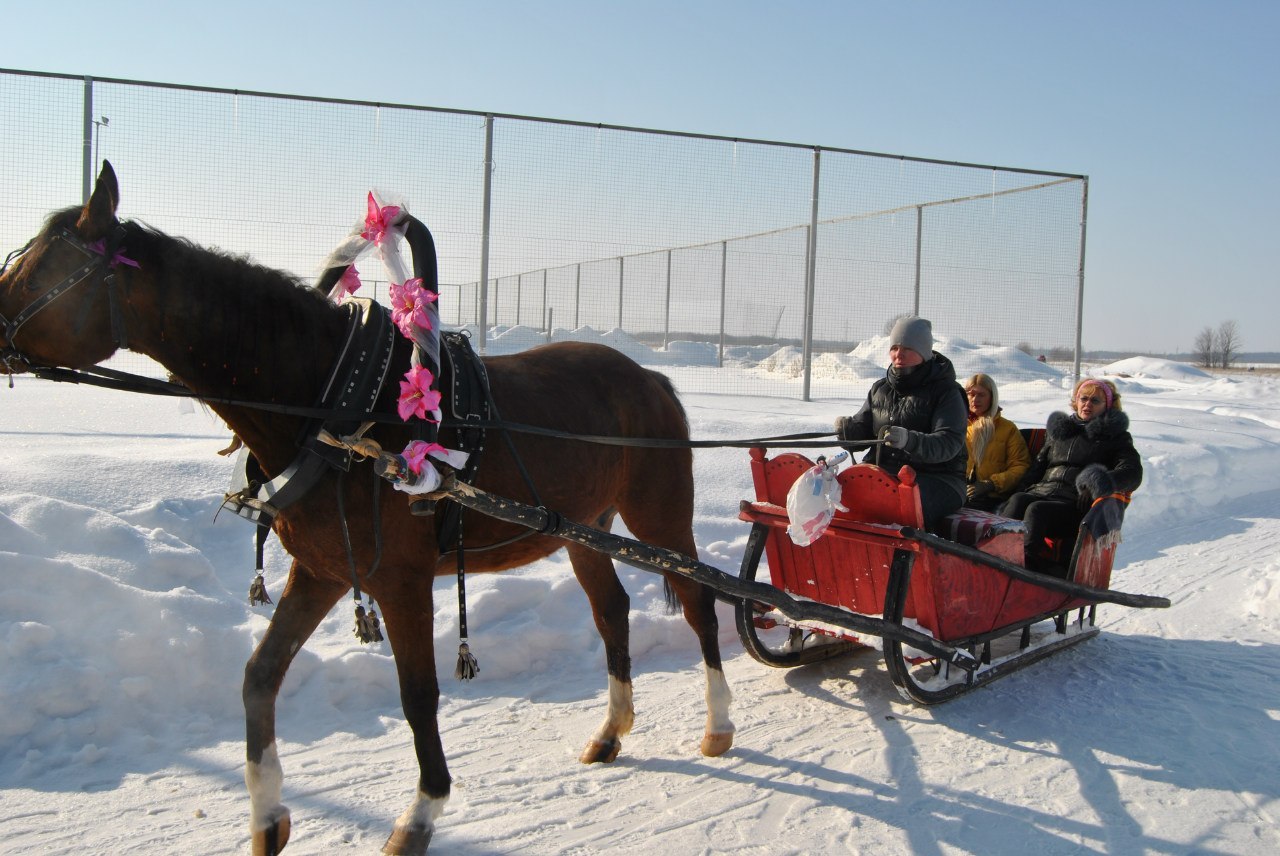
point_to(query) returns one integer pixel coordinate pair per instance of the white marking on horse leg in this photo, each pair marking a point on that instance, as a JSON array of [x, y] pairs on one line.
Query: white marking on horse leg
[[424, 811], [269, 821], [618, 719], [719, 733], [414, 827], [265, 782], [620, 716]]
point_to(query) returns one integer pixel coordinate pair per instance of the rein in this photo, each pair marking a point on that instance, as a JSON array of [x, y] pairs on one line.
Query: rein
[[126, 382]]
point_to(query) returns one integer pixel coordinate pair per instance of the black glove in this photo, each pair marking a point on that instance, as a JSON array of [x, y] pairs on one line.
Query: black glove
[[895, 436], [977, 490]]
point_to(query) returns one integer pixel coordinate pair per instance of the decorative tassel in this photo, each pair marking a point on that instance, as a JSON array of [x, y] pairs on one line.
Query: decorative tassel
[[366, 626], [258, 592], [258, 588], [375, 628], [467, 667]]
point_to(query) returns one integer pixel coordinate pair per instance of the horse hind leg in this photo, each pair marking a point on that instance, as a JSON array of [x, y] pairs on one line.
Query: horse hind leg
[[304, 603], [662, 515], [610, 606], [698, 603]]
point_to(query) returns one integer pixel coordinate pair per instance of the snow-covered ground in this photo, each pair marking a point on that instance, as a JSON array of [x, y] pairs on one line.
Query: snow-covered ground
[[124, 630]]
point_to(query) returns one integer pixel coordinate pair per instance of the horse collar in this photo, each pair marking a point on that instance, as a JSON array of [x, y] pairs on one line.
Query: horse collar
[[357, 378]]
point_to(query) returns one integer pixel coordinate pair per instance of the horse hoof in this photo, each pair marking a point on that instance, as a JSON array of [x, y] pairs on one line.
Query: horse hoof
[[715, 745], [600, 751], [410, 840], [272, 839]]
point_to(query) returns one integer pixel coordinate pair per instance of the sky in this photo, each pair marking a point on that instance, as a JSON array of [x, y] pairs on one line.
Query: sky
[[1170, 108], [124, 628]]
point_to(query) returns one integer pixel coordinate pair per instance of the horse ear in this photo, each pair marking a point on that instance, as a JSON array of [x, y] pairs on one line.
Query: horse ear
[[98, 216]]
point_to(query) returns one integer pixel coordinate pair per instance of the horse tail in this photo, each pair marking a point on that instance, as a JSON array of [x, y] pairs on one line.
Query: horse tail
[[672, 599], [670, 389]]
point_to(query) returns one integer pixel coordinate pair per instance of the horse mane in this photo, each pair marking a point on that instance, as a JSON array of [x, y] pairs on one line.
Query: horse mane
[[267, 318]]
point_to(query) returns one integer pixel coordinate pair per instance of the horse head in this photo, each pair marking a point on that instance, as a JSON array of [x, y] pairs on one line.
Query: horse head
[[58, 305]]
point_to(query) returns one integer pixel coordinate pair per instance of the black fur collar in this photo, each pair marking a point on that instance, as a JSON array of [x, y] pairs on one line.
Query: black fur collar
[[1064, 426]]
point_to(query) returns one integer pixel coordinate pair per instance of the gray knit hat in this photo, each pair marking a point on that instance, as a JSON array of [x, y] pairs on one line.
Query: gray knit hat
[[913, 333]]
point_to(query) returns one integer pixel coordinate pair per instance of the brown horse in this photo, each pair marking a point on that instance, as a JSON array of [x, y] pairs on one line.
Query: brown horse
[[231, 330]]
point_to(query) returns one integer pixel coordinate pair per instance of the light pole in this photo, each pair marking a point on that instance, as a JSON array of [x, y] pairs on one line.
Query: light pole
[[97, 124]]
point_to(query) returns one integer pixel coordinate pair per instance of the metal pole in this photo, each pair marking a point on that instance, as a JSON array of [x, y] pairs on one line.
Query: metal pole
[[546, 313], [577, 294], [621, 279], [483, 319], [724, 266], [549, 314], [87, 134], [519, 297], [919, 238], [1084, 219], [666, 318], [810, 274]]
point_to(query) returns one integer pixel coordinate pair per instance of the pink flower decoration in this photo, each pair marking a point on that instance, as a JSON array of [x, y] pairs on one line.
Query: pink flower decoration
[[350, 281], [378, 220], [415, 454], [409, 306], [417, 398]]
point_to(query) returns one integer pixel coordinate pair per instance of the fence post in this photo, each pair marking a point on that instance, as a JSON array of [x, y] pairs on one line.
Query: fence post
[[1084, 219], [621, 279], [577, 294], [519, 296], [87, 134], [546, 313], [919, 239], [724, 266], [666, 317], [483, 320], [810, 274]]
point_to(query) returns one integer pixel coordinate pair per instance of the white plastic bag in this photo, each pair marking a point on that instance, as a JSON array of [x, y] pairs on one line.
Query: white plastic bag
[[813, 500]]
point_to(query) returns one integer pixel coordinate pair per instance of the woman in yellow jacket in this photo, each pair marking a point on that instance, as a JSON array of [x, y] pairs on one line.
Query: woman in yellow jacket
[[997, 453]]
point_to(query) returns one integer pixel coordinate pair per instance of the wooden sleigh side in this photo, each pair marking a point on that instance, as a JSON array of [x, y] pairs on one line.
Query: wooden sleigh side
[[875, 560]]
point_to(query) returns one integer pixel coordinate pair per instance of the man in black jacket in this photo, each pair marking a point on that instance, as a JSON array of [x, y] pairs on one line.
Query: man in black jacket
[[919, 410]]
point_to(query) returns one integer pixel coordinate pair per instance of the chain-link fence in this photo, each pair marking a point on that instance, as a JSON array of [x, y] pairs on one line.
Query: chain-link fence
[[690, 250]]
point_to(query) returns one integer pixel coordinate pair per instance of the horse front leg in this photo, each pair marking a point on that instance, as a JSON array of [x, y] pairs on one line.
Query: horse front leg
[[407, 616], [609, 606], [305, 602]]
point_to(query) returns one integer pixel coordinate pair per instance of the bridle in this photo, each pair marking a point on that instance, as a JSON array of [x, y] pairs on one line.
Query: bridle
[[101, 256]]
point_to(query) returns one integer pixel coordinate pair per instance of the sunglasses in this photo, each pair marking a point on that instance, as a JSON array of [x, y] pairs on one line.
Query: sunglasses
[[1090, 399]]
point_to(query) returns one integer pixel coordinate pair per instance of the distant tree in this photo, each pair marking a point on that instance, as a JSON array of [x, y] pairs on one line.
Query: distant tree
[[1062, 354], [1025, 347], [1204, 349], [1228, 343]]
